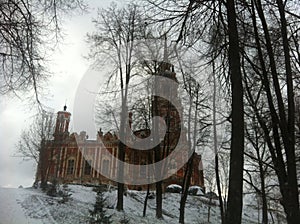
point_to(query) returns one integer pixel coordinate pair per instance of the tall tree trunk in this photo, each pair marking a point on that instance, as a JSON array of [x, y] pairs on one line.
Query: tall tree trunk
[[186, 185], [287, 178], [263, 191], [235, 193], [146, 199], [189, 165], [216, 147], [192, 141], [42, 165], [122, 148], [120, 176], [157, 153], [158, 184], [150, 160], [292, 202], [276, 152], [159, 200]]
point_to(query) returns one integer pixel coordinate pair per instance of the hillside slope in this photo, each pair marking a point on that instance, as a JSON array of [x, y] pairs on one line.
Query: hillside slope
[[33, 206]]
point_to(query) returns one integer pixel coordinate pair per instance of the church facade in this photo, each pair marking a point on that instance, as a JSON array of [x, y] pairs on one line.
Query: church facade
[[73, 158]]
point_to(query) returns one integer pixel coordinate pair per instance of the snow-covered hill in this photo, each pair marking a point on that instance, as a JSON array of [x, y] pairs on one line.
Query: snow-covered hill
[[28, 205]]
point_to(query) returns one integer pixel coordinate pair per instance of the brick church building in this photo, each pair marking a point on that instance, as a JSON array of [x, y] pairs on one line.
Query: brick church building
[[73, 158]]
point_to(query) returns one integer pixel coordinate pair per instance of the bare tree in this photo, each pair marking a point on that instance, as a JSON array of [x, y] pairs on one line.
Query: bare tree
[[257, 156], [235, 198], [272, 66], [26, 30], [265, 36], [115, 39], [184, 17], [196, 118], [33, 143], [196, 100], [215, 143]]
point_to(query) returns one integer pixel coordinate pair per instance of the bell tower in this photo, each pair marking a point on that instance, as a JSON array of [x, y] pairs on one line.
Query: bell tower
[[168, 89], [62, 124]]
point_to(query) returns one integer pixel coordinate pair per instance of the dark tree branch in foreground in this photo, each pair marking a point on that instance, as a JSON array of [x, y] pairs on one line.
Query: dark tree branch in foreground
[[28, 30]]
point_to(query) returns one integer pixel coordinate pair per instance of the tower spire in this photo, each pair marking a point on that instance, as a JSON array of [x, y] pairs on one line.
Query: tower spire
[[65, 107], [62, 124]]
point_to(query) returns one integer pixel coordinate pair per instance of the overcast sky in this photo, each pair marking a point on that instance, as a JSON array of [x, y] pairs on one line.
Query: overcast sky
[[68, 67], [71, 74]]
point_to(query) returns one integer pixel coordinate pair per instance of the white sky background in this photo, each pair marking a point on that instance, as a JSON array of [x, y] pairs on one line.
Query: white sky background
[[68, 67]]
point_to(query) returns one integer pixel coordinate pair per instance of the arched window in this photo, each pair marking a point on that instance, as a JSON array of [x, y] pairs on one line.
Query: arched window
[[71, 166], [87, 167]]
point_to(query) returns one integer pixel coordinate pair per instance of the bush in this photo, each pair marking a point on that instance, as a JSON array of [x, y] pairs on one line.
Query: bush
[[124, 219], [65, 194], [51, 189], [151, 195]]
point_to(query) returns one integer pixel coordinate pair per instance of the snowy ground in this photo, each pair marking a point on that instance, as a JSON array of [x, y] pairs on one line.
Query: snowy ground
[[28, 205]]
